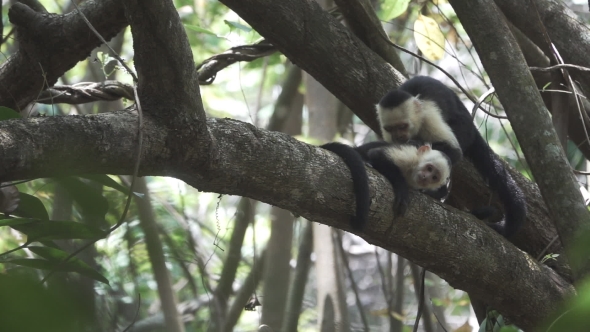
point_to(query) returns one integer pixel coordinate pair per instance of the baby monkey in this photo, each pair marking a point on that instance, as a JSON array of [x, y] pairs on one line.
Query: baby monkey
[[403, 165]]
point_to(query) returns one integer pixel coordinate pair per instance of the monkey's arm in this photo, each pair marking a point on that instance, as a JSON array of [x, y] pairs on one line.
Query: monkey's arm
[[364, 149], [455, 154], [380, 161]]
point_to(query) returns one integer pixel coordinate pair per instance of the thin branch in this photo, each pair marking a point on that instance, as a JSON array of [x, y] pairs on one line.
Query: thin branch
[[86, 92], [483, 97], [208, 69], [559, 66], [353, 284]]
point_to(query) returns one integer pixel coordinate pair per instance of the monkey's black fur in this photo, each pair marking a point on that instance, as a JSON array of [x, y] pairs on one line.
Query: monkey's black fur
[[372, 153], [360, 181], [364, 150], [472, 145]]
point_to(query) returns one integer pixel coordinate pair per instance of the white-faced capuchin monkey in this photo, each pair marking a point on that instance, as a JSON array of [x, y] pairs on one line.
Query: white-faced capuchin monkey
[[423, 167], [413, 160], [424, 108], [403, 165]]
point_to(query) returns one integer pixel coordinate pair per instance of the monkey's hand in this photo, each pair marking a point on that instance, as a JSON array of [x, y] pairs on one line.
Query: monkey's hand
[[453, 153], [437, 194]]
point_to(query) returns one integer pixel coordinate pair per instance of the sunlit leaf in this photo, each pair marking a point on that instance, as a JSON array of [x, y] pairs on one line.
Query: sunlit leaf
[[41, 230], [199, 29], [74, 264], [237, 25], [30, 207], [393, 8], [106, 181], [429, 38], [35, 263], [8, 113]]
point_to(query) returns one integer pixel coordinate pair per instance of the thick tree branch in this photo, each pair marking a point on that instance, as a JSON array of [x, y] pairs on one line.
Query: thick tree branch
[[51, 44], [363, 21], [506, 66], [560, 23], [534, 237], [53, 146], [308, 181], [347, 89], [163, 59], [236, 158], [312, 39], [536, 58]]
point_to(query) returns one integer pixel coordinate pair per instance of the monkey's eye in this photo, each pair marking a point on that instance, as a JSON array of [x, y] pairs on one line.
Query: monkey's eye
[[434, 178], [389, 128], [402, 126], [429, 168]]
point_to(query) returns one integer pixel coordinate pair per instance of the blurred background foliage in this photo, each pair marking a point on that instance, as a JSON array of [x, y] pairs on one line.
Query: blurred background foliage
[[111, 284]]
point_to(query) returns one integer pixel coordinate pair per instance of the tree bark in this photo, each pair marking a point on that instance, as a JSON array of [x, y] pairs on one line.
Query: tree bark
[[516, 88]]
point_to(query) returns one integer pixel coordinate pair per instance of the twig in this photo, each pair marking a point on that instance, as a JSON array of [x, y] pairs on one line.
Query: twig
[[353, 284], [559, 66], [483, 97]]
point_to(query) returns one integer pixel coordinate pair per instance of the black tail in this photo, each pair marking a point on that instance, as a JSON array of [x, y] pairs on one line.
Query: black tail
[[491, 168], [360, 181]]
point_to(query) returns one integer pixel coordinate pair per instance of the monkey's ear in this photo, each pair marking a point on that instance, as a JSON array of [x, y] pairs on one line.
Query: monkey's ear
[[424, 148]]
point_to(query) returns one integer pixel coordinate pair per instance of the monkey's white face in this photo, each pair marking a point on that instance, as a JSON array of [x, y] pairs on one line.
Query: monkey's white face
[[433, 171], [401, 123], [428, 177]]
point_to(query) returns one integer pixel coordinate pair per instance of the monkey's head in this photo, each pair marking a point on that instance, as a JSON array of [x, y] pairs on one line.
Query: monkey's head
[[399, 115], [434, 169]]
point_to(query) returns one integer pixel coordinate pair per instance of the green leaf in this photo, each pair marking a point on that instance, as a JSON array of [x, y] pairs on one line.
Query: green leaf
[[40, 230], [16, 221], [393, 8], [35, 263], [50, 254], [30, 207], [237, 25], [91, 201], [199, 29], [8, 113], [106, 180], [74, 264]]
